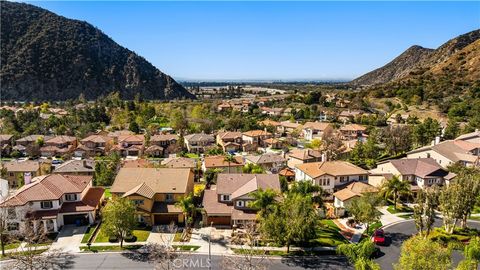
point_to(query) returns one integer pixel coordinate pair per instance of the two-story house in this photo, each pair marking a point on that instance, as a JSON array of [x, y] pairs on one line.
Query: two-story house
[[154, 191], [129, 145], [269, 161], [227, 203], [344, 197], [230, 141], [330, 175], [419, 172], [161, 145], [30, 145], [352, 132], [315, 130], [199, 142], [288, 127], [6, 144], [76, 167], [94, 145], [54, 200], [256, 137], [449, 152], [300, 156], [17, 172], [58, 146]]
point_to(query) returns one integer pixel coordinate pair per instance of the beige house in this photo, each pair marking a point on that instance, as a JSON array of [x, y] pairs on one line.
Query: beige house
[[352, 132], [227, 203], [58, 146], [289, 127], [94, 145], [344, 196], [299, 156], [17, 172], [330, 175], [230, 141], [76, 167], [219, 162], [199, 142], [449, 152], [154, 191], [256, 137], [162, 145], [269, 162], [315, 130], [129, 145]]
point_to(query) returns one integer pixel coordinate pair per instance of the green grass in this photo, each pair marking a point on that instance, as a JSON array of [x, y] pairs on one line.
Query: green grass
[[107, 193], [39, 245], [186, 247], [177, 237], [88, 234], [110, 248], [476, 209], [283, 253], [141, 234], [458, 235], [406, 216], [192, 155], [10, 254], [400, 209], [328, 234], [12, 245], [475, 217], [373, 227]]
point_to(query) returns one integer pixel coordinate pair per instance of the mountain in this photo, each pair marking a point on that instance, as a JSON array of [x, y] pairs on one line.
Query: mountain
[[49, 57], [418, 63]]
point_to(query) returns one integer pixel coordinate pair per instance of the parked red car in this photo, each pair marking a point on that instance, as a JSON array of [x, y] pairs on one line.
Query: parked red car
[[378, 237]]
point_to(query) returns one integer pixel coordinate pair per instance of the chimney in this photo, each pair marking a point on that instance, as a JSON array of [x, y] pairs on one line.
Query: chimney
[[437, 140], [324, 157], [27, 178]]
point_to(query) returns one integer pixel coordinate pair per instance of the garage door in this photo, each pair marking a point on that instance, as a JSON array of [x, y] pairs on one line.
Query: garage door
[[218, 220], [73, 219], [165, 219]]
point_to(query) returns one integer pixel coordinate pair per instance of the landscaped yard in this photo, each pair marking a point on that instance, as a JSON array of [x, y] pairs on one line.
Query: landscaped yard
[[283, 253], [109, 248], [328, 234], [107, 193], [88, 233], [400, 209], [192, 155], [186, 247], [372, 228], [406, 216], [140, 234], [12, 245], [459, 235]]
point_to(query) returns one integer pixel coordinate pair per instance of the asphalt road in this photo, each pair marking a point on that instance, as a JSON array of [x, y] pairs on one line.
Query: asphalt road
[[194, 261], [396, 234]]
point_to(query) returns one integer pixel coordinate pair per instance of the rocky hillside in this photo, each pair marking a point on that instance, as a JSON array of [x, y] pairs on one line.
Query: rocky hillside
[[417, 62], [49, 57]]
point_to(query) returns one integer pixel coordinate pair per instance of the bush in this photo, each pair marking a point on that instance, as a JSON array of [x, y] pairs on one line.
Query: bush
[[112, 239], [130, 239]]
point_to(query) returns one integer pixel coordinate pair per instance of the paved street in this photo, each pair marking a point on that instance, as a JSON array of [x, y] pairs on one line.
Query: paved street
[[196, 261], [398, 233]]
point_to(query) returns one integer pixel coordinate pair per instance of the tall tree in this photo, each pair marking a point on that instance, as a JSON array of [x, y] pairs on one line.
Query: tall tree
[[359, 255], [119, 218], [418, 253], [424, 211], [263, 200], [394, 188], [188, 208], [471, 254], [363, 209], [229, 159]]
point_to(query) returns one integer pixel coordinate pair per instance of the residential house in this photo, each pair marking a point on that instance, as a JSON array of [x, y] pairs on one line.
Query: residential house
[[76, 167], [256, 137], [352, 132], [227, 203], [349, 115], [154, 191], [419, 172], [54, 200], [6, 144], [330, 175], [315, 130], [272, 143], [269, 162], [219, 163], [199, 142], [269, 123], [162, 145], [449, 152], [343, 197], [4, 189], [58, 146], [300, 156], [180, 162], [289, 127], [129, 145], [472, 137], [19, 172], [94, 145], [29, 145], [272, 111], [230, 141]]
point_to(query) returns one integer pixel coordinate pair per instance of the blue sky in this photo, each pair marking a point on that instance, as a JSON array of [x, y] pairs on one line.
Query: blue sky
[[273, 40]]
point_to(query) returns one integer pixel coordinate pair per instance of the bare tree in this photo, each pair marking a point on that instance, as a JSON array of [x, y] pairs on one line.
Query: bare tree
[[250, 256]]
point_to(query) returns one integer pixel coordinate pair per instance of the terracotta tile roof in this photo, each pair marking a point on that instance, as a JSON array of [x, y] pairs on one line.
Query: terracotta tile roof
[[271, 141], [73, 166], [49, 187], [89, 202], [212, 206], [238, 214], [256, 133], [287, 172], [471, 135], [266, 158], [334, 168], [231, 183], [199, 137], [219, 162], [289, 124], [21, 166], [353, 190], [353, 127], [96, 139], [163, 137], [33, 138], [5, 137], [154, 148], [450, 150], [180, 162], [160, 180], [62, 139], [269, 122], [131, 138], [305, 154], [229, 135], [469, 146], [317, 125], [142, 190]]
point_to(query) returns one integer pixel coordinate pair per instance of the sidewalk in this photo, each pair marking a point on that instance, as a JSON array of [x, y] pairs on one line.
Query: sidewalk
[[351, 234], [388, 218]]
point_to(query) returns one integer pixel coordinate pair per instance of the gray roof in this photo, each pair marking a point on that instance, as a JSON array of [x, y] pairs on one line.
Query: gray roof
[[73, 166], [266, 158], [246, 183], [199, 137]]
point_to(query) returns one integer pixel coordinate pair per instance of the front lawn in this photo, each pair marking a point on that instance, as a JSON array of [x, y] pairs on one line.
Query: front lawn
[[186, 247], [140, 234], [406, 216], [107, 193], [283, 253], [95, 249], [12, 245], [192, 155], [373, 227], [88, 233], [328, 234], [400, 209]]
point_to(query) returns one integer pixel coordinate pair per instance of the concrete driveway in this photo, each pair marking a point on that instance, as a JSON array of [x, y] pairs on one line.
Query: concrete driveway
[[69, 239]]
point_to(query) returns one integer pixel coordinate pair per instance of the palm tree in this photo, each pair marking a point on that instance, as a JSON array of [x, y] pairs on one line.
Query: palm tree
[[308, 188], [188, 208], [263, 199], [394, 187], [229, 158]]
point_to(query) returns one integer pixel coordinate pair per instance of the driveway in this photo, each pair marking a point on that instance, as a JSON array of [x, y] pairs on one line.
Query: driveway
[[69, 238], [398, 233]]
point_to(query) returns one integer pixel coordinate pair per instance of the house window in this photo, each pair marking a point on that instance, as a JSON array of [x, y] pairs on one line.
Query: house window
[[13, 226], [138, 202], [71, 197], [240, 203], [169, 197], [11, 174], [12, 214], [46, 204], [225, 197]]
